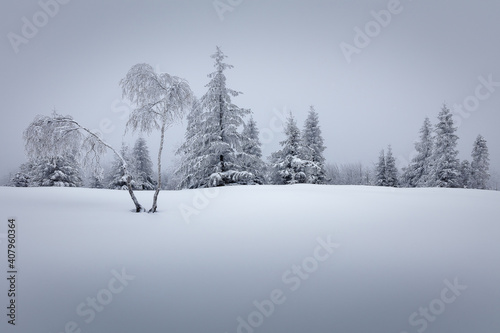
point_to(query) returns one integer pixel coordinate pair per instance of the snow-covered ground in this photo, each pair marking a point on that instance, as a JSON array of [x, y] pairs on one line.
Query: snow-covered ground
[[254, 259]]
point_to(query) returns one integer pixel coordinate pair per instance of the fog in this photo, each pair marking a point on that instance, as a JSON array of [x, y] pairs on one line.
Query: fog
[[373, 69]]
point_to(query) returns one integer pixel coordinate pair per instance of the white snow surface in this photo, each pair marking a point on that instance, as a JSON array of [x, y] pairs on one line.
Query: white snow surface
[[396, 253]]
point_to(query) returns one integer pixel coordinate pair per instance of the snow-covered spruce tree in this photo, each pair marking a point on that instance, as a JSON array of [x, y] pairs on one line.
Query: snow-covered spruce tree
[[215, 154], [191, 174], [50, 137], [224, 154], [60, 171], [160, 99], [391, 171], [416, 174], [480, 165], [252, 158], [288, 167], [444, 163], [22, 178], [380, 170], [19, 179], [465, 173], [117, 177], [313, 148], [142, 166]]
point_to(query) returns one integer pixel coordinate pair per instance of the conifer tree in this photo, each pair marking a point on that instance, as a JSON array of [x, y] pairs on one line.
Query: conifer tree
[[190, 171], [380, 170], [288, 167], [391, 171], [117, 177], [22, 178], [215, 154], [142, 167], [222, 119], [480, 164], [444, 170], [417, 172], [313, 147], [252, 158], [465, 174], [61, 171]]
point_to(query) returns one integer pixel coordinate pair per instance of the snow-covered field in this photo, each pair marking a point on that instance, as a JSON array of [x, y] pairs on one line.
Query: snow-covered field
[[274, 259]]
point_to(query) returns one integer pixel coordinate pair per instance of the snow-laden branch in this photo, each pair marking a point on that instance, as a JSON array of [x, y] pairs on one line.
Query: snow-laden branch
[[54, 136]]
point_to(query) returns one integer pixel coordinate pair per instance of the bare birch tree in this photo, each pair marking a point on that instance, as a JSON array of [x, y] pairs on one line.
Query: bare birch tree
[[161, 100]]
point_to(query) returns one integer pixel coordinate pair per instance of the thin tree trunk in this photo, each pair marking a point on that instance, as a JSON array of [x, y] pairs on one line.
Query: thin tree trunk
[[158, 186], [221, 127], [138, 207]]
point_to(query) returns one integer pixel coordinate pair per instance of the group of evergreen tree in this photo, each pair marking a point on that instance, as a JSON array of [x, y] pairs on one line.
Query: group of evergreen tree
[[220, 148], [62, 171], [300, 160], [416, 174], [386, 173], [436, 163], [141, 168], [65, 171]]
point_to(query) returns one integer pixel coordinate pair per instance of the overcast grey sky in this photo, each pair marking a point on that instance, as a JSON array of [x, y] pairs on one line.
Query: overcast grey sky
[[287, 55]]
